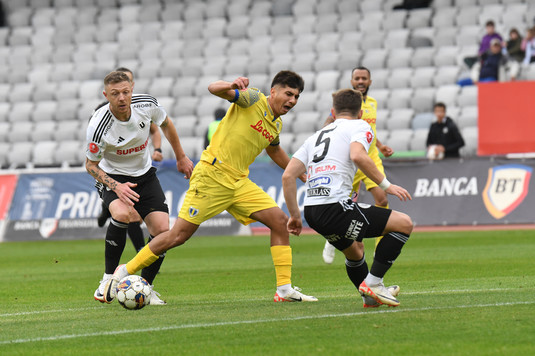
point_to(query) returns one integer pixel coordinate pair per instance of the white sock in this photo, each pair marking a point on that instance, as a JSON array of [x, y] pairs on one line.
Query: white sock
[[284, 289], [371, 280]]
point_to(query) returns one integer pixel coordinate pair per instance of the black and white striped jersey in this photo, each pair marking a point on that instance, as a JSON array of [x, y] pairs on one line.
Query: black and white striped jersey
[[122, 146]]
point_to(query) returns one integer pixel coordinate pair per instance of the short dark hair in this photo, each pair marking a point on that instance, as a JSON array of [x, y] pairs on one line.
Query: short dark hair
[[490, 23], [347, 101], [125, 70], [439, 105], [116, 77], [361, 68], [289, 79]]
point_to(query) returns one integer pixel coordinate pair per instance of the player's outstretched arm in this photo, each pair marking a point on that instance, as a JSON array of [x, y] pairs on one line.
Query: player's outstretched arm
[[123, 190], [387, 151], [183, 163], [365, 164], [225, 89], [293, 170]]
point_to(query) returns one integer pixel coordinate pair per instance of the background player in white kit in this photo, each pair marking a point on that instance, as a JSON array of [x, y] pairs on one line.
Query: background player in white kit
[[330, 158], [119, 158]]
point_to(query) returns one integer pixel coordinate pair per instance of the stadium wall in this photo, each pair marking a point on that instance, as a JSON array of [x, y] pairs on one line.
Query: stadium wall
[[60, 205]]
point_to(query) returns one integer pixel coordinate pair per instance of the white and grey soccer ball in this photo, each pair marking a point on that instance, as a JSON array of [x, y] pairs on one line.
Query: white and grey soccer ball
[[133, 292]]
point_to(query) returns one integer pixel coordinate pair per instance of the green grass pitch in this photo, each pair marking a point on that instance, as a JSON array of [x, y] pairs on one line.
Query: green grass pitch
[[462, 293]]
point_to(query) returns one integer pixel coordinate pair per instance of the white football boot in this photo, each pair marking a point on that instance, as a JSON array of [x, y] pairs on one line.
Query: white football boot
[[379, 293], [155, 297], [294, 295], [369, 302], [99, 293], [110, 290]]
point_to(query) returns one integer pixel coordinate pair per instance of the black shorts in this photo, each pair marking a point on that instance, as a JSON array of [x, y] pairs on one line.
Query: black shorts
[[151, 196], [346, 221]]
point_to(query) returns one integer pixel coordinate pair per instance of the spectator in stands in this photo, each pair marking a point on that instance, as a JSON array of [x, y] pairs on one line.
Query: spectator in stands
[[484, 46], [218, 115], [412, 4], [528, 45], [514, 46], [494, 65], [444, 139]]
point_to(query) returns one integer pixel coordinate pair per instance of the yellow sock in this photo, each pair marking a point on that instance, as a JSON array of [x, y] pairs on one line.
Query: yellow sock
[[144, 258], [282, 259], [378, 239]]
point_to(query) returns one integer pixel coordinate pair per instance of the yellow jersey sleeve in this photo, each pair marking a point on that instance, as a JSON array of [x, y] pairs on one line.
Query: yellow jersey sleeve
[[247, 97]]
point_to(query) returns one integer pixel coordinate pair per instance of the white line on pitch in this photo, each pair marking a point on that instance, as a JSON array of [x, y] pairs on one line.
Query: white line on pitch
[[259, 321], [196, 302]]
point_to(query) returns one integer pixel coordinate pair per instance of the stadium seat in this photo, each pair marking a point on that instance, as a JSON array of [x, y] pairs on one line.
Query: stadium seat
[[43, 131], [468, 117], [374, 58], [304, 43], [262, 81], [423, 57], [69, 130], [419, 18], [399, 119], [326, 80], [21, 131], [21, 92], [445, 36], [67, 152], [349, 59], [400, 58], [327, 22], [303, 62], [381, 95], [304, 24], [281, 8], [423, 99], [397, 40], [307, 101], [44, 110], [347, 22], [468, 35], [19, 17], [446, 75], [468, 96], [327, 42], [445, 17], [423, 77], [5, 129], [303, 7], [446, 56], [399, 98], [21, 111], [468, 15], [394, 20], [327, 60], [490, 12], [447, 94], [399, 78], [185, 125], [372, 22], [324, 104], [184, 105], [419, 140], [20, 154], [67, 109], [349, 41], [399, 141], [305, 121], [422, 121], [208, 104], [373, 40], [347, 7], [161, 87], [470, 136]]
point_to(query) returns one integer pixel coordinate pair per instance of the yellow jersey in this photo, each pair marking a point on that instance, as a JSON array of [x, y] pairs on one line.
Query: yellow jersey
[[369, 114], [248, 127]]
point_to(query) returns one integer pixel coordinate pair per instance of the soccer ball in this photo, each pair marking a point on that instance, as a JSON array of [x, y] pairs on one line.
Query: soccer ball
[[133, 292]]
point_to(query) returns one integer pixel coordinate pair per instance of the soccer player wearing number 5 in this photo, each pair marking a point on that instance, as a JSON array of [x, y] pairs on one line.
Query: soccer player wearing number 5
[[118, 158], [220, 180], [331, 158], [361, 81]]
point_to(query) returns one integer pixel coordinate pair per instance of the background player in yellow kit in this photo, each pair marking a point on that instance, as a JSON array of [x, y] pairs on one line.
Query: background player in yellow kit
[[220, 180], [361, 81]]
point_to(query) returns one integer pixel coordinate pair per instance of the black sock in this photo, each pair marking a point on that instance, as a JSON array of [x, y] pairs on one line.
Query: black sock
[[386, 252], [150, 272], [115, 242], [357, 271], [136, 235]]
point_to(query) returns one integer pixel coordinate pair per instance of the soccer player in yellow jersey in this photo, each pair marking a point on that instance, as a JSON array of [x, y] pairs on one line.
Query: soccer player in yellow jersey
[[361, 81], [220, 180]]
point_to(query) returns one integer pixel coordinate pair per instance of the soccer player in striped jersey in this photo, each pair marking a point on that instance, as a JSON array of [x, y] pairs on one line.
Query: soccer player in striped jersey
[[331, 158], [220, 180], [361, 81], [119, 159]]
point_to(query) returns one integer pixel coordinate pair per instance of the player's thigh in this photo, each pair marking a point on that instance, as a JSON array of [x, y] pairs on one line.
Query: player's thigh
[[151, 196], [157, 222], [207, 196], [249, 199]]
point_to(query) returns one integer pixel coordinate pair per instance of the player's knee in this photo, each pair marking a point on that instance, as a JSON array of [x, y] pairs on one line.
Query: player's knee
[[406, 224], [122, 216]]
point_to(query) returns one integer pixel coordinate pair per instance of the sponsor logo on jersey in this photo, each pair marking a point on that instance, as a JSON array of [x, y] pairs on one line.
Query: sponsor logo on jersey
[[142, 125], [143, 105], [354, 229], [506, 188], [316, 182], [326, 168], [318, 192], [121, 139], [193, 212], [370, 121], [93, 148], [133, 149], [440, 187], [369, 137], [265, 133]]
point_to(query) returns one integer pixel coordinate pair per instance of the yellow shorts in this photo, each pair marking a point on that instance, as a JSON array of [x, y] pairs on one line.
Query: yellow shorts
[[360, 176], [211, 191]]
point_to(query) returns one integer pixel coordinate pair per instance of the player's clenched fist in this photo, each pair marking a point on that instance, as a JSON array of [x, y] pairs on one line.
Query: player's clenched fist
[[240, 83]]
